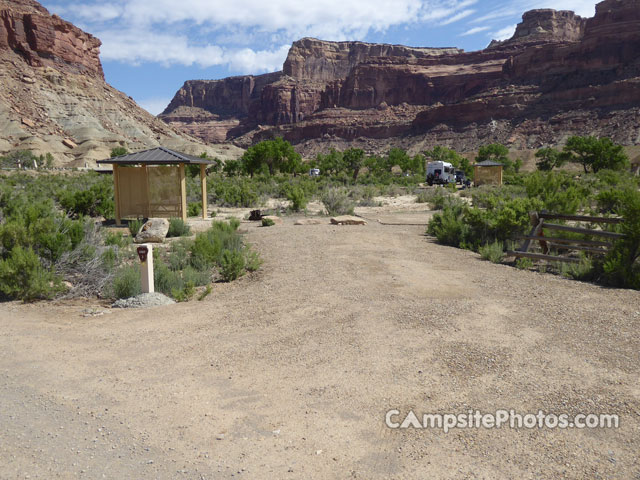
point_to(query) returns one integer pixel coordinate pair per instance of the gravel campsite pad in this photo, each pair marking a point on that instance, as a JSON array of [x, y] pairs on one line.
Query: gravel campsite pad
[[289, 372]]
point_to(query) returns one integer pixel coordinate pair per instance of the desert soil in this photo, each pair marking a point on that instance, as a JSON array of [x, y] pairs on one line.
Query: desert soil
[[288, 373]]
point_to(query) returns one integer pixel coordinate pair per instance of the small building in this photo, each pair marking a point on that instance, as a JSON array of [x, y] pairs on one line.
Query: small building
[[487, 173], [152, 183]]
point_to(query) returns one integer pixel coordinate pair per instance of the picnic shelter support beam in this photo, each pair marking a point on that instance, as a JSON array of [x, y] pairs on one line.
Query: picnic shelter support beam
[[203, 188]]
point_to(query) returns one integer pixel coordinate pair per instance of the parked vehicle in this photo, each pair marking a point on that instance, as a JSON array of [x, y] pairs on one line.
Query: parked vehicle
[[460, 177], [314, 172], [440, 173]]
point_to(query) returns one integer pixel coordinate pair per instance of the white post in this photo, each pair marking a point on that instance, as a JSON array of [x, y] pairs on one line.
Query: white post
[[145, 252]]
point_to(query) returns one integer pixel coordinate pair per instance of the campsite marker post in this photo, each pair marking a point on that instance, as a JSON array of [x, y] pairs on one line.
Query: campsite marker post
[[145, 252]]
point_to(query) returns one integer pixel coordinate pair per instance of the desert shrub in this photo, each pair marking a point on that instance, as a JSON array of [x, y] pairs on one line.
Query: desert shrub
[[179, 254], [208, 246], [449, 226], [436, 197], [585, 270], [237, 192], [126, 282], [252, 260], [524, 263], [95, 201], [232, 265], [621, 266], [184, 293], [194, 209], [135, 226], [268, 222], [298, 198], [165, 279], [205, 293], [116, 239], [191, 275], [423, 197], [23, 277], [178, 228], [337, 202], [492, 251]]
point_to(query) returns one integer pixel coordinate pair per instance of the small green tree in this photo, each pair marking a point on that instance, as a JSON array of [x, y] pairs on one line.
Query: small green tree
[[595, 154], [276, 155], [548, 159], [119, 151], [354, 160]]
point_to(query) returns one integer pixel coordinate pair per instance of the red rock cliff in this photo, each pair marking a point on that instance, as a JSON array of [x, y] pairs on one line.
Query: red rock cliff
[[44, 40], [559, 74]]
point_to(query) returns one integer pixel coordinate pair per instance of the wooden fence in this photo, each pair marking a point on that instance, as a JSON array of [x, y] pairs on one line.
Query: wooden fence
[[539, 223]]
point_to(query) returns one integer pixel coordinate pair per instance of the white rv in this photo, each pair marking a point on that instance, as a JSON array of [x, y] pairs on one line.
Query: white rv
[[440, 173]]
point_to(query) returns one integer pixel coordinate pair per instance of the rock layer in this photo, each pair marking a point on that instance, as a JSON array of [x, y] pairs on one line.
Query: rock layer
[[559, 74]]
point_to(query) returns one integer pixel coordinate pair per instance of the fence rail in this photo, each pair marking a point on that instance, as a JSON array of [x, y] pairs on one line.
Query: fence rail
[[539, 224]]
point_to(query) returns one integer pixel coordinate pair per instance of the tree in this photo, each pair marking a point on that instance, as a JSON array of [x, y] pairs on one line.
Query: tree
[[118, 151], [496, 152], [548, 159], [354, 160], [595, 153], [276, 155], [232, 167], [332, 163]]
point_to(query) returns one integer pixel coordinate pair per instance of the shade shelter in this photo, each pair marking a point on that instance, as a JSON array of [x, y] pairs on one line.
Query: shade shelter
[[487, 172], [152, 183]]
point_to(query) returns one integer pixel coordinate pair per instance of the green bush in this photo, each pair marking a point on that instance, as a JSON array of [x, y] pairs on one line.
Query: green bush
[[494, 252], [298, 199], [126, 282], [185, 293], [179, 254], [232, 263], [178, 228], [95, 201], [621, 267], [116, 239], [134, 227], [337, 202], [268, 222], [208, 246], [449, 227], [23, 277], [252, 260], [194, 209]]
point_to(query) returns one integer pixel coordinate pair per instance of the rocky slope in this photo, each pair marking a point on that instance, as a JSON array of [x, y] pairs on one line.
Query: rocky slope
[[54, 99], [559, 75]]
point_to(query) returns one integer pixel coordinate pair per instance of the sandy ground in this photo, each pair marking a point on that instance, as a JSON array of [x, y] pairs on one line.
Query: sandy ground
[[288, 373]]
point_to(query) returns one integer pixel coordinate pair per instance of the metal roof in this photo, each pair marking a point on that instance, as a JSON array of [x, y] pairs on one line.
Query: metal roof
[[156, 156], [489, 163]]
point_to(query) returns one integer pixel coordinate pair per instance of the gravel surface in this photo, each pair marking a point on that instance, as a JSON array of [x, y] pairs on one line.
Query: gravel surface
[[144, 300], [288, 373]]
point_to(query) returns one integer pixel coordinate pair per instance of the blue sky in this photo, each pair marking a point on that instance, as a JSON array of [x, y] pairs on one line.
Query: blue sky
[[150, 47]]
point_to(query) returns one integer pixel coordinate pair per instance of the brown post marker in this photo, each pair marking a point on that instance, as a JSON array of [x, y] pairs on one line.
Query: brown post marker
[[203, 188], [116, 192], [183, 192]]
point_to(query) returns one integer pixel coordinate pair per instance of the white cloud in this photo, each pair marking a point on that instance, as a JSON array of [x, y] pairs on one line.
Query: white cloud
[[457, 17], [474, 30], [154, 106], [504, 33]]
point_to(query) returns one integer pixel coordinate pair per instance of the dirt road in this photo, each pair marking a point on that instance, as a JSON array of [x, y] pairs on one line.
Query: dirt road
[[289, 373]]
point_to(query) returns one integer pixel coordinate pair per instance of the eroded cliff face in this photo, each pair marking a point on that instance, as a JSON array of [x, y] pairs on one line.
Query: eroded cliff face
[[53, 97], [558, 75], [27, 29]]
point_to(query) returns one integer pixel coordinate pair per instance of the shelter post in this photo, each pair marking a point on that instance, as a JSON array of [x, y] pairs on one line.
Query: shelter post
[[183, 192], [203, 188], [116, 191]]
